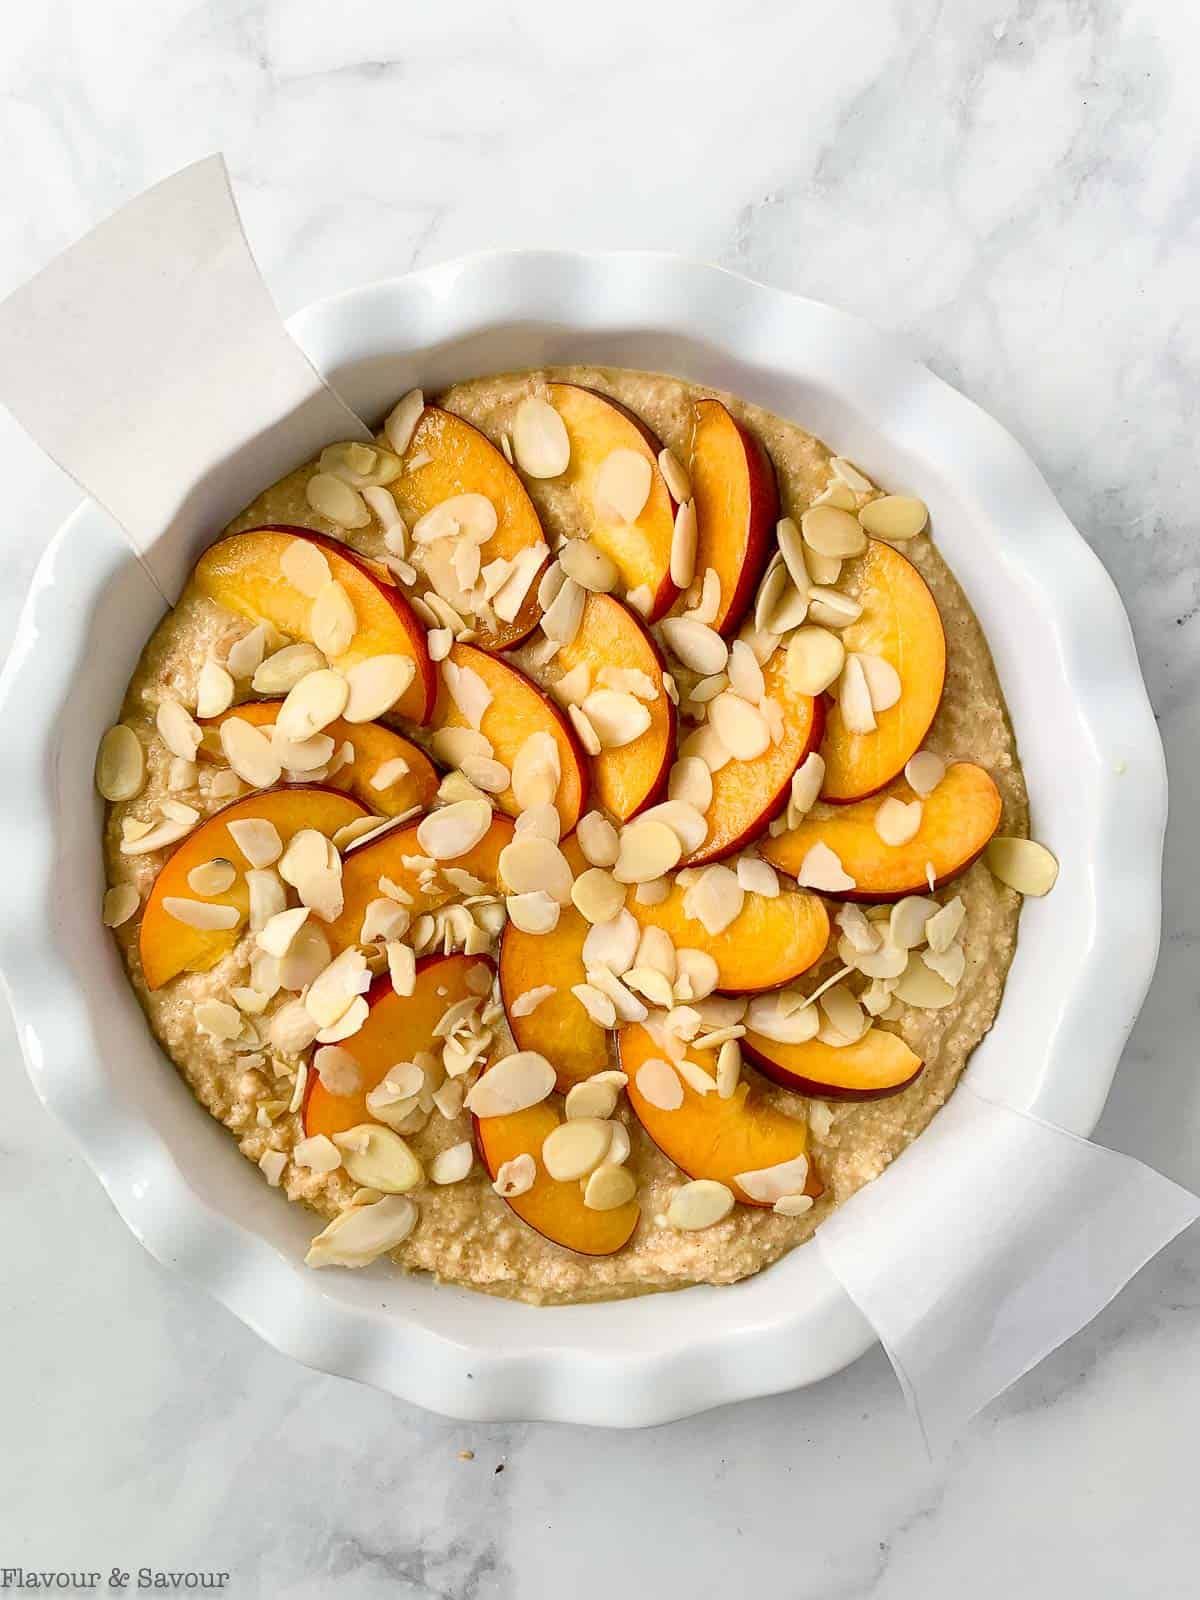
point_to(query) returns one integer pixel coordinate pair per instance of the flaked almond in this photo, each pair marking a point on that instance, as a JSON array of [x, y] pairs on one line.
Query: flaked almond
[[691, 782], [757, 876], [822, 870], [561, 619], [245, 655], [306, 959], [771, 590], [772, 1015], [304, 566], [806, 787], [788, 612], [468, 516], [597, 895], [278, 931], [510, 596], [598, 1005], [589, 566], [493, 777], [846, 472], [844, 1014], [612, 944], [883, 681], [281, 672], [658, 1082], [768, 1184], [831, 608], [120, 903], [214, 690], [375, 685], [258, 840], [530, 864], [212, 877], [622, 485], [527, 1003], [685, 821], [337, 1069], [854, 698], [402, 967], [332, 621], [542, 820], [573, 687], [949, 964], [729, 1069], [815, 658], [895, 516], [316, 701], [647, 849], [745, 674], [684, 539], [1022, 864], [897, 823], [120, 764], [451, 832], [943, 927], [791, 548], [640, 599], [585, 730], [696, 973], [517, 1082], [336, 501], [740, 727], [267, 897], [402, 421], [575, 1148], [699, 1204], [363, 1233], [907, 921], [178, 729], [924, 772], [536, 912], [217, 1019], [452, 746], [591, 1100], [608, 1187], [454, 1164], [675, 476], [515, 1177], [536, 771], [379, 1159], [921, 987], [863, 934], [540, 441], [597, 839], [617, 717], [626, 1004], [302, 756], [200, 913], [334, 992], [716, 899], [699, 647]]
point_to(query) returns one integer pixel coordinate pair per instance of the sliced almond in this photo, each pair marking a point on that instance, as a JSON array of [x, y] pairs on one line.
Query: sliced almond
[[618, 718], [454, 830], [597, 839], [729, 1069], [452, 746], [361, 1234], [212, 877], [591, 1100], [540, 441], [815, 658], [640, 599], [513, 1084], [895, 516], [257, 839], [402, 421], [597, 895], [1022, 864], [304, 566], [200, 913], [806, 787], [854, 698], [658, 1082], [515, 1177], [697, 973], [245, 655], [943, 927], [690, 781], [844, 1013], [375, 685], [536, 912], [699, 1204], [608, 1187], [530, 864], [831, 608], [336, 501], [468, 516], [921, 987], [683, 545], [647, 849], [767, 1015], [768, 1184], [684, 820], [924, 772], [402, 967], [757, 877], [561, 619], [675, 476], [379, 1159], [589, 566], [897, 823], [120, 764], [120, 903], [949, 964], [791, 548], [622, 484], [715, 899], [883, 681], [541, 820], [575, 1148], [822, 870], [178, 729], [740, 727], [316, 701], [281, 672], [831, 532], [536, 771], [612, 944], [598, 1005], [699, 647], [277, 933], [332, 621], [907, 921], [214, 690], [527, 1003], [454, 1164], [267, 897]]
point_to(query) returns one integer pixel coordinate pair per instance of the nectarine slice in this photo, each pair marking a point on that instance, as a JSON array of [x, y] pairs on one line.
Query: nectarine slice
[[748, 794], [957, 820], [633, 776], [243, 572], [167, 946], [768, 943], [559, 1028], [456, 458], [375, 746], [737, 507], [899, 623], [397, 1027], [878, 1064], [384, 857], [518, 708], [555, 1210], [598, 425], [708, 1137]]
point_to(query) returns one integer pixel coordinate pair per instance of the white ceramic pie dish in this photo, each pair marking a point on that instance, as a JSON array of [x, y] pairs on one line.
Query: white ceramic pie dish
[[1087, 738]]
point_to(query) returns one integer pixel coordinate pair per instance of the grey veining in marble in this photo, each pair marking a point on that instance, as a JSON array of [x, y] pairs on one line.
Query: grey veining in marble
[[1014, 188]]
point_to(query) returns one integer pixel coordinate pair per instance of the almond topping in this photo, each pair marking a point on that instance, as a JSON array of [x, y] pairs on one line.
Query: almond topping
[[849, 474], [336, 501], [806, 786], [766, 1015], [178, 730], [715, 899], [920, 986], [612, 944], [658, 1082], [597, 839], [402, 421], [745, 674], [530, 864], [924, 772], [691, 782], [697, 974], [576, 1148], [741, 727], [375, 685], [201, 914], [895, 516], [585, 730], [337, 1069], [675, 476], [120, 764], [822, 870], [897, 823], [257, 839], [943, 926], [454, 1164], [831, 608], [1022, 864], [358, 1236], [304, 566], [214, 691], [769, 1184], [617, 718], [684, 539], [316, 701], [277, 933], [699, 1204], [729, 1068], [120, 903], [526, 1004], [282, 671], [883, 681], [539, 439], [699, 647], [515, 1177], [815, 658], [245, 654], [561, 618], [608, 1187], [588, 565], [454, 830], [212, 877], [542, 820], [468, 516], [791, 547], [591, 1100], [622, 485], [949, 964], [514, 1084], [332, 621], [757, 877], [647, 850], [597, 895], [536, 771], [854, 698], [379, 1159], [535, 913]]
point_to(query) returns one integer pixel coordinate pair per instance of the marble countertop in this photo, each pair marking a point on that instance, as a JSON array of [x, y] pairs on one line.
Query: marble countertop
[[1013, 188]]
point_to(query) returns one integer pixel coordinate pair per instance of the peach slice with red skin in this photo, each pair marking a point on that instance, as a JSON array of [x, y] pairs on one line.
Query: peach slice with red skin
[[708, 1137], [737, 507], [875, 1066], [243, 573], [456, 458], [899, 623], [633, 776], [559, 1029], [365, 864], [748, 794], [957, 820], [374, 746], [396, 1029], [518, 708], [168, 947], [768, 943], [597, 425], [553, 1209]]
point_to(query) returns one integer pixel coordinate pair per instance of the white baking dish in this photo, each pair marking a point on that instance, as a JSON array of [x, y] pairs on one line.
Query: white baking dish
[[1087, 739]]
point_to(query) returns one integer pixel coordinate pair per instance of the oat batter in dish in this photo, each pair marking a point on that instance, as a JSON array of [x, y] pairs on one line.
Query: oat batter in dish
[[575, 844]]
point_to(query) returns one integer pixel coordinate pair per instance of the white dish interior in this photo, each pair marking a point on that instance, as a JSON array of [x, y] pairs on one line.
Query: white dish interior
[[1087, 740]]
